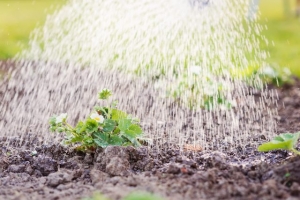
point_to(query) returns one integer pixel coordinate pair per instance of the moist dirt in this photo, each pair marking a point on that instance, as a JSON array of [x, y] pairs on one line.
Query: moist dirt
[[57, 172]]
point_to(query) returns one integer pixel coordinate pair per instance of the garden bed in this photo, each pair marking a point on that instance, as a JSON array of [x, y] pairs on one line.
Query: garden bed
[[56, 172]]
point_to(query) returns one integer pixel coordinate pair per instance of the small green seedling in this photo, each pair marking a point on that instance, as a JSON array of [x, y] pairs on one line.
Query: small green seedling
[[132, 196], [105, 126], [285, 141], [142, 196], [201, 88]]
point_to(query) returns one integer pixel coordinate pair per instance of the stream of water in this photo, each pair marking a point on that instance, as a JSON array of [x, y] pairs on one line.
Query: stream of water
[[165, 61]]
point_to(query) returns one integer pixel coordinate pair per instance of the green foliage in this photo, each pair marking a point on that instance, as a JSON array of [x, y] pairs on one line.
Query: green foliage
[[132, 196], [202, 88], [17, 20], [285, 141], [269, 74], [105, 126], [104, 94], [141, 196], [207, 88], [276, 75]]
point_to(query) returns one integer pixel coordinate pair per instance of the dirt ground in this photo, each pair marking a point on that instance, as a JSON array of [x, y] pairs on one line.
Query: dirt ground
[[56, 172]]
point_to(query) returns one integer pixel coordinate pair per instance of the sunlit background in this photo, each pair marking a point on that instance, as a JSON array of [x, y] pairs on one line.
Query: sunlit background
[[19, 17]]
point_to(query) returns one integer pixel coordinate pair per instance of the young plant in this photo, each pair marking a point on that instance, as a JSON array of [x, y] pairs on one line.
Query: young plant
[[201, 88], [286, 141], [276, 75], [142, 196], [105, 126], [133, 196]]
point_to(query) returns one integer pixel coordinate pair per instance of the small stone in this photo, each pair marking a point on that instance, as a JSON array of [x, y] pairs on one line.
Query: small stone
[[29, 169], [45, 165], [295, 189], [88, 159], [16, 168], [98, 176], [116, 151], [172, 169], [60, 177], [43, 180], [132, 182], [37, 173], [62, 187], [118, 167]]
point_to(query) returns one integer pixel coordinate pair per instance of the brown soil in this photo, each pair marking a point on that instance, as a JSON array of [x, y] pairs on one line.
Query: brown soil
[[56, 172]]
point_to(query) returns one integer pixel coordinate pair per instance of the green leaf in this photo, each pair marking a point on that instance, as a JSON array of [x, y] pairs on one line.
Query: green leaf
[[91, 125], [284, 141], [116, 131], [104, 94], [130, 131], [118, 114], [80, 127], [124, 124], [101, 139], [115, 140], [76, 139], [53, 128], [60, 129], [131, 136], [296, 138], [269, 146], [52, 121], [87, 140], [135, 129], [109, 125]]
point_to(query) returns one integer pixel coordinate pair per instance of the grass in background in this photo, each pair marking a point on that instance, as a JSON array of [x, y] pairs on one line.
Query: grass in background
[[17, 19], [284, 31]]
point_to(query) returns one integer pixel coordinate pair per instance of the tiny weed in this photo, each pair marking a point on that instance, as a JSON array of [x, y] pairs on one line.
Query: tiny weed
[[287, 175], [105, 126], [285, 141]]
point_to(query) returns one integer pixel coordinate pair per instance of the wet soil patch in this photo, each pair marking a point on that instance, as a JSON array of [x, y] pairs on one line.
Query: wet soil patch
[[57, 172]]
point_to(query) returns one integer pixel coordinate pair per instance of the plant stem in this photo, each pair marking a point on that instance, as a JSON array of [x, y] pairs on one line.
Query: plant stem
[[69, 126], [295, 151]]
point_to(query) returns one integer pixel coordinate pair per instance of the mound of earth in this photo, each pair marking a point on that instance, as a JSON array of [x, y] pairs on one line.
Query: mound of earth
[[55, 172]]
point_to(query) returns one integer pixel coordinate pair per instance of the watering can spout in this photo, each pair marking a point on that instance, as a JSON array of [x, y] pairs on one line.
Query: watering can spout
[[199, 3]]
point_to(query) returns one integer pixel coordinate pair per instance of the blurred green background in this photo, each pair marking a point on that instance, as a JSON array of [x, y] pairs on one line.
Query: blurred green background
[[19, 17]]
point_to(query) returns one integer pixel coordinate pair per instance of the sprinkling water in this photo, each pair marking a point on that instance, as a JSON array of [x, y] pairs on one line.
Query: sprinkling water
[[165, 61]]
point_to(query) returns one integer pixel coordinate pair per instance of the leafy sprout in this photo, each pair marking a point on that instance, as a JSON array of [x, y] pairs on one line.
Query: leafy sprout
[[203, 88], [276, 75], [285, 141], [142, 196], [105, 126], [132, 196], [104, 94]]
